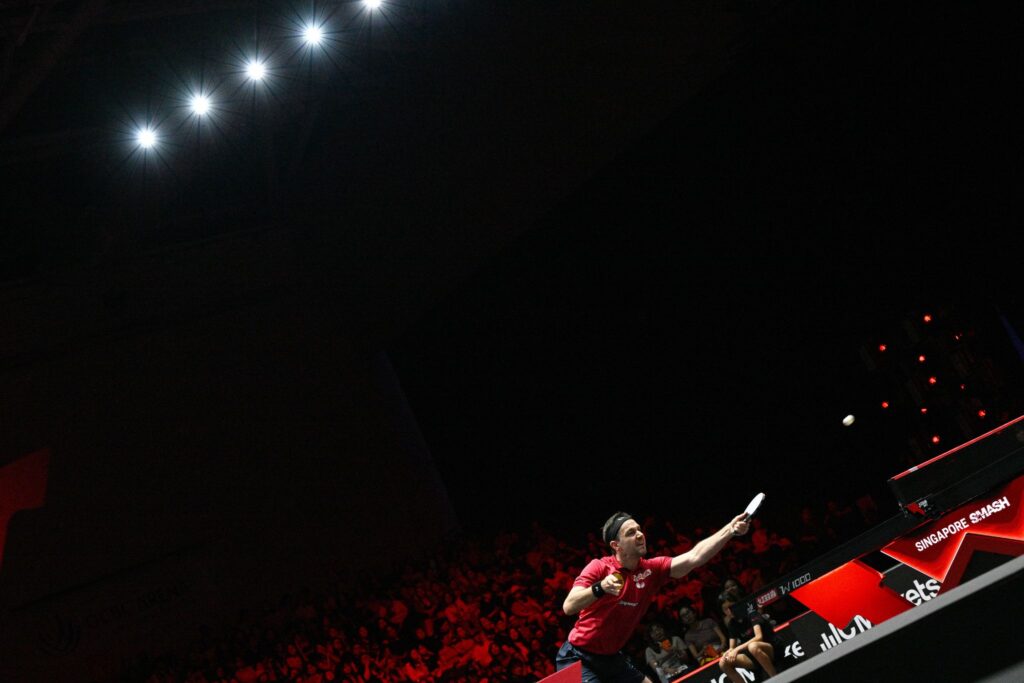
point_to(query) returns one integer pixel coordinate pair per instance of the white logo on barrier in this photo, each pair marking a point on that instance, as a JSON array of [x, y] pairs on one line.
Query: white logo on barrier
[[860, 624], [922, 592], [956, 526], [724, 678], [795, 583], [794, 650]]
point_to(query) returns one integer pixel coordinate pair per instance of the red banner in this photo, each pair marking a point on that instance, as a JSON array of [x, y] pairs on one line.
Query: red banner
[[851, 590]]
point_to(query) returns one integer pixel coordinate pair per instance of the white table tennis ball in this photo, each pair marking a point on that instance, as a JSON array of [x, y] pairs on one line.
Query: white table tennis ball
[[848, 420]]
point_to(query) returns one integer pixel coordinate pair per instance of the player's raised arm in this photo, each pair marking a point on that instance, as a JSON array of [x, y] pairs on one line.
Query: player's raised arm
[[709, 547]]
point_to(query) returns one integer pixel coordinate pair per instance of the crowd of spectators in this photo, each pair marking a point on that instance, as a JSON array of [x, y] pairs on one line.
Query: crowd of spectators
[[489, 612]]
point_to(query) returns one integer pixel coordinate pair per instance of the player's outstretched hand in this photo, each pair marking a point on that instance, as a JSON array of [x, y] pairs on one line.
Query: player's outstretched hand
[[739, 525]]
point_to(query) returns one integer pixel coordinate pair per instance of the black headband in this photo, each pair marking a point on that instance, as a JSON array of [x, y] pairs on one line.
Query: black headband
[[612, 532]]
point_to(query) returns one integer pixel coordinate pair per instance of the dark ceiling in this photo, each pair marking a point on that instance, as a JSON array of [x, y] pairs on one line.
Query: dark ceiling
[[430, 134], [538, 205]]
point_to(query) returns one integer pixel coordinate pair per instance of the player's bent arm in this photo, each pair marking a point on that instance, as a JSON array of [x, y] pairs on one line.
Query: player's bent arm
[[580, 597], [708, 548]]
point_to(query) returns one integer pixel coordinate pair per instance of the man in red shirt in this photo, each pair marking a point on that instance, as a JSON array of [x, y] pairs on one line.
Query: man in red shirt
[[612, 593]]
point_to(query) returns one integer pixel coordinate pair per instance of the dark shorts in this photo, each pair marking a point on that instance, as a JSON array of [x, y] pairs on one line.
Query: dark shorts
[[599, 668]]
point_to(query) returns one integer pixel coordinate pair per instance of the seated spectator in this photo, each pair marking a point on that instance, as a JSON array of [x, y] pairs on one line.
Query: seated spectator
[[750, 644], [247, 673], [868, 509], [704, 637], [840, 521], [758, 536], [751, 579], [666, 656], [731, 590]]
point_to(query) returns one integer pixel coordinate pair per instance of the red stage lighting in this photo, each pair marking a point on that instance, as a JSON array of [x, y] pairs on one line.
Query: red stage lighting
[[885, 404], [932, 380], [935, 439], [982, 413], [881, 347], [927, 318], [920, 359]]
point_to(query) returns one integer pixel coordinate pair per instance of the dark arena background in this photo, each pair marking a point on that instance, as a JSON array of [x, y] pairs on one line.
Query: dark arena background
[[331, 332]]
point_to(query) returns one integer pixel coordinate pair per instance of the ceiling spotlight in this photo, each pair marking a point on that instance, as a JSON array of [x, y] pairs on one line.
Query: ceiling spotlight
[[372, 4], [200, 104], [256, 70], [146, 138], [313, 35]]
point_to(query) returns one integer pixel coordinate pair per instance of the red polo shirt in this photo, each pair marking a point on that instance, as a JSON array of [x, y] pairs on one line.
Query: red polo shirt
[[606, 626]]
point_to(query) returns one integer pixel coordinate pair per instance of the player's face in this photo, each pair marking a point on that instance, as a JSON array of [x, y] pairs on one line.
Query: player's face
[[631, 539]]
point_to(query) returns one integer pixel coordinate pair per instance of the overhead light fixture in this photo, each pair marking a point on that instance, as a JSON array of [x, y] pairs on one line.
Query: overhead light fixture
[[200, 105], [256, 70], [313, 35], [146, 138]]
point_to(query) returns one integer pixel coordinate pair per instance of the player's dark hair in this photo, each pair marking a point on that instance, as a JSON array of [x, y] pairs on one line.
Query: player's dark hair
[[610, 530]]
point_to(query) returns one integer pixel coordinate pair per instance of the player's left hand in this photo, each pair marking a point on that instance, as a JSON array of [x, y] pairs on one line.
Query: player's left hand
[[739, 525]]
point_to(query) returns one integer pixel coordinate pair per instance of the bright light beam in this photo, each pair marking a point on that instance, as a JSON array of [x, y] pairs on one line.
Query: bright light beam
[[313, 35], [256, 70], [200, 105], [372, 4], [146, 138]]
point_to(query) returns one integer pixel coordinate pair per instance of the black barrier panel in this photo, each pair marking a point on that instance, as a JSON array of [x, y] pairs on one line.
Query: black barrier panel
[[955, 477]]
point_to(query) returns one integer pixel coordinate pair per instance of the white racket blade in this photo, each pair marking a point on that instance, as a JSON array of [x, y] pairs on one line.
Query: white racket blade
[[755, 503]]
